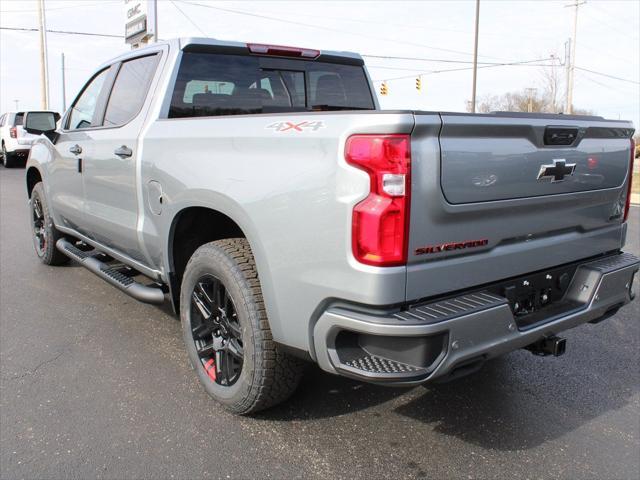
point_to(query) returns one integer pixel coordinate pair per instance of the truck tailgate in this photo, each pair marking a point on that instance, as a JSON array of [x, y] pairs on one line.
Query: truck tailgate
[[495, 196], [490, 157]]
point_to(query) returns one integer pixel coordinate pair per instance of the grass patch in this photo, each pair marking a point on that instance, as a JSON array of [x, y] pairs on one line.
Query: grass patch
[[635, 186]]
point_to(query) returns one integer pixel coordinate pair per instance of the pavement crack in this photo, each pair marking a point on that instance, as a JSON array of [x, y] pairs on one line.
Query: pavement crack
[[35, 369]]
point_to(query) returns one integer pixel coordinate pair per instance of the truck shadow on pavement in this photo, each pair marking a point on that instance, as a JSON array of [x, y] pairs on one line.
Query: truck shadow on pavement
[[514, 403], [511, 407]]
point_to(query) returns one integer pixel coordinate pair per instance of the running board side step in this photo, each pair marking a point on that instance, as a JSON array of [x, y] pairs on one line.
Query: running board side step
[[116, 278]]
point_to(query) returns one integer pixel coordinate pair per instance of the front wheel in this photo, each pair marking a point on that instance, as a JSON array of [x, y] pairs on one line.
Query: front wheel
[[226, 331], [45, 234]]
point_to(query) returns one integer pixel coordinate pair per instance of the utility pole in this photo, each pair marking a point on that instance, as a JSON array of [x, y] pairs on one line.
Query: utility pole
[[573, 55], [64, 86], [17, 102], [530, 91], [475, 59], [44, 66], [567, 67]]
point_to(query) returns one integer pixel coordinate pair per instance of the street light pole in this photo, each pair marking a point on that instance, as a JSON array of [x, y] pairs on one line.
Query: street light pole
[[44, 66], [475, 59]]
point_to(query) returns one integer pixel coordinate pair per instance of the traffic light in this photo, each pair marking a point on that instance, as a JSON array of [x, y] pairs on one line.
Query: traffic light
[[418, 83], [384, 90]]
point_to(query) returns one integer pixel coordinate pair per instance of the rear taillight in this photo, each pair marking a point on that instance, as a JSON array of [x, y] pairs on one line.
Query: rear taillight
[[13, 132], [627, 205], [282, 51], [380, 224]]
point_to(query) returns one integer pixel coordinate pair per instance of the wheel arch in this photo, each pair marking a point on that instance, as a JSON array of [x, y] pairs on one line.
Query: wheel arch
[[33, 176], [191, 227]]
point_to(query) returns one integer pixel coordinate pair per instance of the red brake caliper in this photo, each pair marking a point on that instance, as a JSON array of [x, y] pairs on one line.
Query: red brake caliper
[[210, 368]]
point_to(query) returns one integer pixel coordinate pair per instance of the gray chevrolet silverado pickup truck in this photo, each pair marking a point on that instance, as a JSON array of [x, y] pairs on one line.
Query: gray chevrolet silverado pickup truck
[[261, 190]]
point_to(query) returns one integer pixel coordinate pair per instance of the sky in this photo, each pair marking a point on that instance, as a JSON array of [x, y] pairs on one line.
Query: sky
[[435, 35]]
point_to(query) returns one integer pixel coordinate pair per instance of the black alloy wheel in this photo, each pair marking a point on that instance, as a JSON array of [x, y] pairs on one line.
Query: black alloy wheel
[[39, 227], [227, 333], [216, 331]]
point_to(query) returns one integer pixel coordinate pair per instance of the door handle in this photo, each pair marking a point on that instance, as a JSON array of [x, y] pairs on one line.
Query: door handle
[[123, 151], [76, 149]]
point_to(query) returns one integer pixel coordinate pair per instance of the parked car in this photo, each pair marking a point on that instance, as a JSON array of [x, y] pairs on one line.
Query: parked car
[[15, 141], [287, 218]]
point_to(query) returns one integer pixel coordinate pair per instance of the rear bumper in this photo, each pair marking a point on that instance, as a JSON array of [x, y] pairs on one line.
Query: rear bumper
[[20, 152], [435, 339]]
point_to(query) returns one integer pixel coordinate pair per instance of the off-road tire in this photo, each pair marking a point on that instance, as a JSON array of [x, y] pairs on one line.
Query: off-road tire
[[49, 255], [269, 376]]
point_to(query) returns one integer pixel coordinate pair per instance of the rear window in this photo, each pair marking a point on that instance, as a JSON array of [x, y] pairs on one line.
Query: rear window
[[210, 84]]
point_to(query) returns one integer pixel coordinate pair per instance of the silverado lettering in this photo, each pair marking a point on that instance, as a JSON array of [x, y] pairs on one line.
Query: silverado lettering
[[451, 246]]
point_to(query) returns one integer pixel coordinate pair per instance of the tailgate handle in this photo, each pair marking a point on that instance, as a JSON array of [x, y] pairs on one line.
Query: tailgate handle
[[560, 135]]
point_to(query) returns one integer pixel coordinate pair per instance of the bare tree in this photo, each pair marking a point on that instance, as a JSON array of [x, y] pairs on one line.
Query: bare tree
[[551, 88], [527, 100], [549, 100]]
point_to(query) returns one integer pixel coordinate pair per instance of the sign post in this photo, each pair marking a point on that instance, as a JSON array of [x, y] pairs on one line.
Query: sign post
[[140, 22]]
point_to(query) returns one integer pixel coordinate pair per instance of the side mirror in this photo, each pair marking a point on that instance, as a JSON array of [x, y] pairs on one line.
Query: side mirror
[[40, 122]]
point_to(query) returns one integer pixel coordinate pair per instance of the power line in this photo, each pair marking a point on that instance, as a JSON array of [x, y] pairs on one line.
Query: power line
[[64, 32], [608, 87], [523, 63], [320, 27], [188, 18], [422, 71], [600, 22], [608, 76], [60, 8], [422, 59], [624, 25]]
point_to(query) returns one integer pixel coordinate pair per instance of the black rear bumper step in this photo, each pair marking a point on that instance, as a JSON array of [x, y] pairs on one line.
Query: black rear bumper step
[[380, 366], [143, 293]]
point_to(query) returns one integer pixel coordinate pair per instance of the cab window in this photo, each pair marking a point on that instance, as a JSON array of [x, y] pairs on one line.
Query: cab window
[[83, 110], [130, 90]]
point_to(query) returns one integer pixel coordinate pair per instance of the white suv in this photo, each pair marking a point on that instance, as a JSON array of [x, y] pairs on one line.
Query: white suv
[[16, 142]]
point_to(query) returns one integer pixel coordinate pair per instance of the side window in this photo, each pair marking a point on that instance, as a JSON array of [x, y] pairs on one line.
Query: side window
[[18, 120], [2, 120], [130, 90], [82, 111]]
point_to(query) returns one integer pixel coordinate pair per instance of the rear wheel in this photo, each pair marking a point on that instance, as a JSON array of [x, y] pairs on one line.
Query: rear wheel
[[8, 159], [45, 234], [227, 333], [4, 156]]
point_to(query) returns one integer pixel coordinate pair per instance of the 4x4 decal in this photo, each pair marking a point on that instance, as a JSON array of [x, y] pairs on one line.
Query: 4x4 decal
[[296, 127]]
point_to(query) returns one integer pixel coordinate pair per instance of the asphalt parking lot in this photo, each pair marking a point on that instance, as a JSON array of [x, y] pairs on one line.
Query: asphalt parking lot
[[96, 385]]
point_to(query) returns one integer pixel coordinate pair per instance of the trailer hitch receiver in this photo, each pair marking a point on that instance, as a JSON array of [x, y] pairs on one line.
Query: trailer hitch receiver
[[553, 345]]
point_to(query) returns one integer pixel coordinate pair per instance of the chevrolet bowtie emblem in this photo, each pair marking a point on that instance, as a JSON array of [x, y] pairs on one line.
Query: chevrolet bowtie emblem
[[557, 171]]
